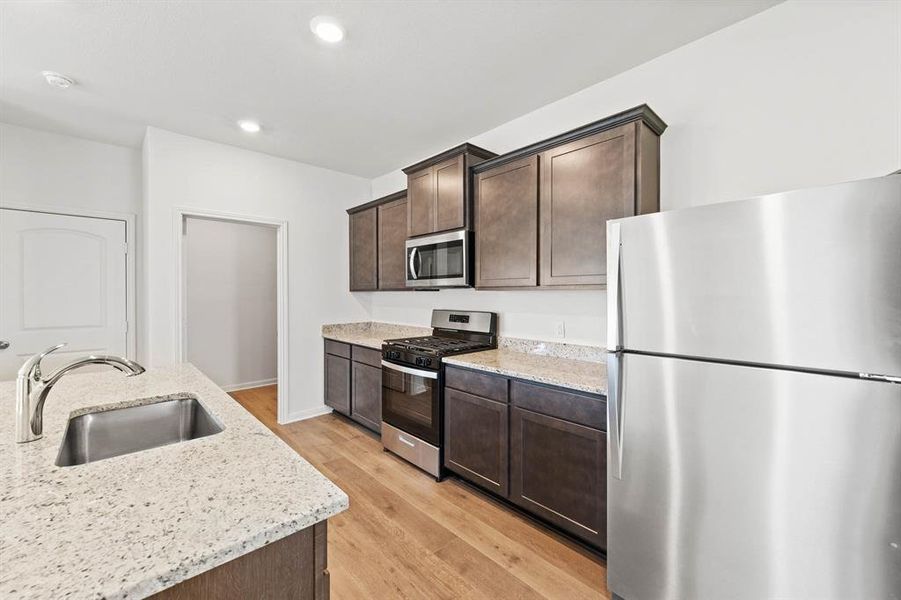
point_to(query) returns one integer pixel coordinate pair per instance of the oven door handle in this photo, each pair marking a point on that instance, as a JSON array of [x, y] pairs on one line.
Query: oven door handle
[[409, 371]]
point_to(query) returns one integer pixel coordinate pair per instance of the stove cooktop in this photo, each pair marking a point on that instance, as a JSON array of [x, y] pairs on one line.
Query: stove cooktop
[[437, 345]]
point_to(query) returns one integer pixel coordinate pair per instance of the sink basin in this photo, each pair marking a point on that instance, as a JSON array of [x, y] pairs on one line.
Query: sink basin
[[104, 434]]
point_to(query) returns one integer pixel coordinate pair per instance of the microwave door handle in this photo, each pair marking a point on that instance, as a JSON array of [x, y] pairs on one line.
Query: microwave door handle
[[413, 270]]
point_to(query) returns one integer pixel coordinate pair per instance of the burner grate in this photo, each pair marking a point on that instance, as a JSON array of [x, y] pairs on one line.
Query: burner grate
[[439, 345]]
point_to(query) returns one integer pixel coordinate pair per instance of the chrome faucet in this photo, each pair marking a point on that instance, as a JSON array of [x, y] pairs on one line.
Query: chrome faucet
[[32, 388]]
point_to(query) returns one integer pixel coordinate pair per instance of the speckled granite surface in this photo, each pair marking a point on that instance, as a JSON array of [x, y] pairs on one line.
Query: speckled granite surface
[[568, 365], [584, 375], [556, 349], [129, 526], [370, 334]]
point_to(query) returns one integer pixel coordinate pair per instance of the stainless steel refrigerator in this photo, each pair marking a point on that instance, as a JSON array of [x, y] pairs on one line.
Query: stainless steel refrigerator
[[754, 401]]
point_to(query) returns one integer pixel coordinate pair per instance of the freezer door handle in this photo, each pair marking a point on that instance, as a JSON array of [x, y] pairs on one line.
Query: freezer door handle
[[615, 413], [614, 277]]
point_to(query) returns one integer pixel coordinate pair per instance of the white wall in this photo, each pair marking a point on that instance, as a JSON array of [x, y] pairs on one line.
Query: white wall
[[181, 171], [59, 172], [43, 169], [803, 94], [230, 301]]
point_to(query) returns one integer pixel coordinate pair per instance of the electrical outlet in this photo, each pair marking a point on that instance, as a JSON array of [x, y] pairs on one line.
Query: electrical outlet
[[560, 329]]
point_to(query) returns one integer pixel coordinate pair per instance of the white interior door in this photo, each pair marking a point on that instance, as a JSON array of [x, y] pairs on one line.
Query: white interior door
[[62, 279]]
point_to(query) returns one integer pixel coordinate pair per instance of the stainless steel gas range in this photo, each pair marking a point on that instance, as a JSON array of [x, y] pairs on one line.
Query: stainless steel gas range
[[413, 383]]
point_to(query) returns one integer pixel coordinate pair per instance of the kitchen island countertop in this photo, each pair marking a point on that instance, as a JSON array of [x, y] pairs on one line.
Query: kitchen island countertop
[[132, 525]]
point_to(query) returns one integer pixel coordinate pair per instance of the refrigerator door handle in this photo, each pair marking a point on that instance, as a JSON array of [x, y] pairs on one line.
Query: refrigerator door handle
[[883, 378], [614, 292], [615, 413]]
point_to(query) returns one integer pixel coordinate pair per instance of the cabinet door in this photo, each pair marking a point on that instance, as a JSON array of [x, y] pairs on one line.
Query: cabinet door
[[367, 396], [558, 471], [392, 250], [421, 202], [506, 225], [337, 383], [364, 250], [583, 184], [449, 203], [475, 439]]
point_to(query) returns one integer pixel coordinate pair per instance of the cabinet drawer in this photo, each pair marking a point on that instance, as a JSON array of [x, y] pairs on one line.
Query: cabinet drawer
[[581, 409], [367, 356], [493, 387], [337, 348], [420, 453]]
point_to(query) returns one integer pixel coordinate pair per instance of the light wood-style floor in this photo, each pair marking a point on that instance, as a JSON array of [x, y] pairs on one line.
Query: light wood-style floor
[[406, 536]]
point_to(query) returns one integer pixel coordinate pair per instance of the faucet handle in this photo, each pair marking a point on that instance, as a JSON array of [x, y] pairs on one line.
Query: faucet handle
[[33, 364]]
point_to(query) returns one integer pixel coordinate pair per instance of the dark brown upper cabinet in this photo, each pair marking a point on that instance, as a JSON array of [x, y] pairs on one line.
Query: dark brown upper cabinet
[[583, 184], [605, 170], [392, 237], [364, 250], [378, 233], [505, 205], [438, 194]]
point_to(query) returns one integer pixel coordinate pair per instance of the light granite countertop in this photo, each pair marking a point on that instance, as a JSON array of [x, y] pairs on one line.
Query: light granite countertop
[[370, 334], [583, 375], [571, 366], [132, 525]]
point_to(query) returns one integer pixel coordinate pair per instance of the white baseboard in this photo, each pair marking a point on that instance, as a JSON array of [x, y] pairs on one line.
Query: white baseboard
[[249, 384], [308, 413]]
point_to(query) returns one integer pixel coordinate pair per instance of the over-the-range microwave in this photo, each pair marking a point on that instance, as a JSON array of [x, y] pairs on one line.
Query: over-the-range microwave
[[439, 260]]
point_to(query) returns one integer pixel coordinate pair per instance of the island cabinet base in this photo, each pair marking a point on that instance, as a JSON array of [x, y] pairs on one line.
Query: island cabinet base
[[292, 568]]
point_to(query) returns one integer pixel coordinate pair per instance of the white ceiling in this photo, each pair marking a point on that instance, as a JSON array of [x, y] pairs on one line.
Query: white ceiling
[[410, 78]]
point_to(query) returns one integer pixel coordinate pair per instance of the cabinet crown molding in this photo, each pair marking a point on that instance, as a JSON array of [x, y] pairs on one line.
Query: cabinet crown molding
[[377, 202], [466, 148], [642, 113]]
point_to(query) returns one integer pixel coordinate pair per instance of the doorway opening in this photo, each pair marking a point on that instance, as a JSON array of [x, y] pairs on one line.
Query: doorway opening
[[231, 301]]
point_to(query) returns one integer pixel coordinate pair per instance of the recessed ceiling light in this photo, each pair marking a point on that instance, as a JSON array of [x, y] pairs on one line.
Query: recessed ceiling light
[[249, 126], [57, 80], [327, 29]]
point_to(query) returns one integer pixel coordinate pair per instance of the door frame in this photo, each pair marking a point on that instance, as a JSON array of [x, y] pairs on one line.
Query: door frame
[[179, 215], [131, 348]]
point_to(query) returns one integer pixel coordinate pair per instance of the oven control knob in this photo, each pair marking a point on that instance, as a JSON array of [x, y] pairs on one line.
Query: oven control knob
[[426, 362], [393, 354]]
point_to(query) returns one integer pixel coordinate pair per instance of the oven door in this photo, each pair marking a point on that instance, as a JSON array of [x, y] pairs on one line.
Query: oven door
[[411, 401], [438, 260]]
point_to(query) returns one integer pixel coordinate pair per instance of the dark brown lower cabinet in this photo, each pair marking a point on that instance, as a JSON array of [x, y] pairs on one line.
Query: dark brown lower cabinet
[[476, 440], [367, 395], [558, 471], [337, 383], [293, 568]]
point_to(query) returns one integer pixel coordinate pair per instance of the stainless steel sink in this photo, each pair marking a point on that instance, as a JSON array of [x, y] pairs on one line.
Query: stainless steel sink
[[104, 434]]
